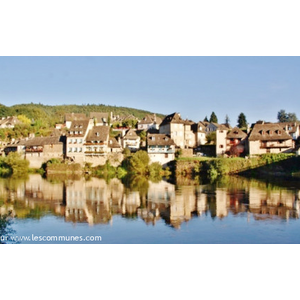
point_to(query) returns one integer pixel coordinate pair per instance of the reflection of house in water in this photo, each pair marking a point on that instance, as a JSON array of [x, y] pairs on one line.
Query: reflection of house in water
[[264, 203], [174, 206], [88, 201], [159, 197], [221, 203], [32, 198], [130, 203], [183, 206], [95, 201]]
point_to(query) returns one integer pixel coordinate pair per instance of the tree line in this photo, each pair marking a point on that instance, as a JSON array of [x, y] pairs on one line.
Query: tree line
[[242, 123]]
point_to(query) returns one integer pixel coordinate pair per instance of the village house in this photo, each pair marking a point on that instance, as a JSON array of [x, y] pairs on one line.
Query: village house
[[100, 119], [149, 122], [96, 142], [269, 138], [292, 128], [39, 150], [97, 145], [231, 141], [200, 134], [174, 126], [189, 134], [210, 127], [9, 122], [70, 117], [160, 148], [76, 138], [114, 146], [131, 140]]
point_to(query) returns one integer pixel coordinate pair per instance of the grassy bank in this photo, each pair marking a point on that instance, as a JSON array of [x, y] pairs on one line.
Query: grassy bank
[[277, 164]]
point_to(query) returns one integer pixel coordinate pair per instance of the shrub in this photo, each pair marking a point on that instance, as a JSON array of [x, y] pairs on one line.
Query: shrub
[[14, 164]]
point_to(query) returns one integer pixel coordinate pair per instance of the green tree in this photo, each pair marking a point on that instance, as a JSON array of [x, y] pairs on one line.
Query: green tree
[[139, 162], [213, 118], [24, 119], [211, 138], [242, 121], [282, 116], [143, 135], [205, 119]]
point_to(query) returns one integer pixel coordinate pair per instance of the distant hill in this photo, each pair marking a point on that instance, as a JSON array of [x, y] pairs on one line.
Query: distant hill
[[53, 114]]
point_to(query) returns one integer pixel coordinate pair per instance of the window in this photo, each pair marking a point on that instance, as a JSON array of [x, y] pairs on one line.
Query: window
[[166, 155]]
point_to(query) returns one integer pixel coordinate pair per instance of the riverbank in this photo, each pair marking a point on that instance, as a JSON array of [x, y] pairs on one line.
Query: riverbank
[[264, 165]]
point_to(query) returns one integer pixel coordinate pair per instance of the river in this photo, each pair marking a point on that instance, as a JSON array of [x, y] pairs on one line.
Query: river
[[232, 210]]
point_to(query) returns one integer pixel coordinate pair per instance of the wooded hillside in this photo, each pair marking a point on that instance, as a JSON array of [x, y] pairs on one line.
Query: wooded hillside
[[52, 114]]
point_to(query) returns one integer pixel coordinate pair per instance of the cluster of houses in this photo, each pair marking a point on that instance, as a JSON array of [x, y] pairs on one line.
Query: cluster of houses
[[89, 139]]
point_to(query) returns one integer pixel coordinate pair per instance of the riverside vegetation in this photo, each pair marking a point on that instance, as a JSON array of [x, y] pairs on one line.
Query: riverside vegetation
[[280, 164], [138, 164]]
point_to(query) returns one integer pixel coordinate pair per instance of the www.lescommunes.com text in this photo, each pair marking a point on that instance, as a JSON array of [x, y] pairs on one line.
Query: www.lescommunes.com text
[[48, 238]]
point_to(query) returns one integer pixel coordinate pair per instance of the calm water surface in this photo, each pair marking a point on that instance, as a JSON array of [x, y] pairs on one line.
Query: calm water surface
[[231, 210]]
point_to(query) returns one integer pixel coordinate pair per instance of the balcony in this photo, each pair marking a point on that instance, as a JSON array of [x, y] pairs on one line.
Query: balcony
[[161, 150], [34, 150], [274, 145]]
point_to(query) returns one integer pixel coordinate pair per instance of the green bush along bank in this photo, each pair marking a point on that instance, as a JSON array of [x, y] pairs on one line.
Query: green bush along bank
[[278, 164]]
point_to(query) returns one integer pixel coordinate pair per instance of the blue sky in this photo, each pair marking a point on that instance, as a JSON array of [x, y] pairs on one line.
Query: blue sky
[[193, 86]]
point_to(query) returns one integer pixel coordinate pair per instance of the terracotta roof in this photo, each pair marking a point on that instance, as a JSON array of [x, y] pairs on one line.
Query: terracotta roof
[[98, 133], [268, 132], [159, 140], [173, 118], [236, 133]]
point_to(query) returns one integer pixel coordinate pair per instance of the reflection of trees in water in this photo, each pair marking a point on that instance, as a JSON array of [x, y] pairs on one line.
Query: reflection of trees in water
[[97, 200], [136, 183], [6, 231]]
